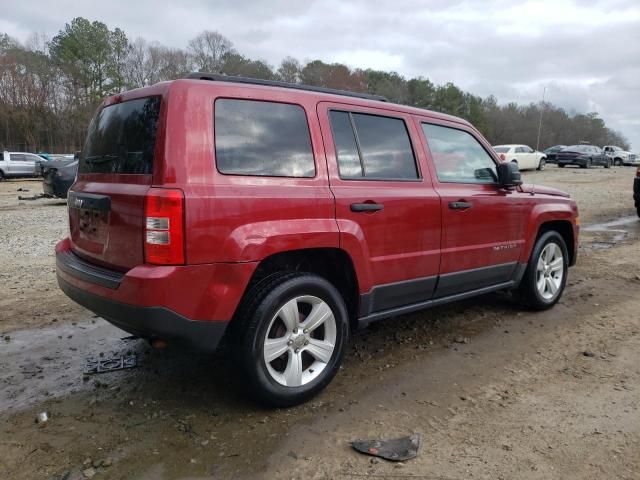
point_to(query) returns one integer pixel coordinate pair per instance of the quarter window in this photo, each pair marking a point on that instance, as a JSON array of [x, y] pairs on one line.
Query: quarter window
[[372, 146], [458, 156], [262, 139]]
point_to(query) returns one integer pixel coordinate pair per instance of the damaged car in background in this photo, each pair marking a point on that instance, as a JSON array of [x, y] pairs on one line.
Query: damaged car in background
[[58, 175]]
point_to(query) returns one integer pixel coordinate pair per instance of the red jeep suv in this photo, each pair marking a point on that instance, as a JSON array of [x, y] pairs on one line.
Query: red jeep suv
[[285, 216]]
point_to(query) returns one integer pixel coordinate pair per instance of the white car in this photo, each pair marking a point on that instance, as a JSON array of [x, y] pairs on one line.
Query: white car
[[523, 155], [18, 164]]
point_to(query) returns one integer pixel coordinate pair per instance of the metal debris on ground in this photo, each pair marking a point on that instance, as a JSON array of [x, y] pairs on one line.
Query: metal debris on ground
[[103, 365], [396, 450], [33, 197], [42, 417]]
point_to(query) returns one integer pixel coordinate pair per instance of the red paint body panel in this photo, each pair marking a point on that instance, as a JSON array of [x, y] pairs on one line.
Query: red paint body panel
[[233, 222]]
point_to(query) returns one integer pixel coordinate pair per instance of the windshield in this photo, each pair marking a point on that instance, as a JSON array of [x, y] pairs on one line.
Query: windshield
[[122, 138]]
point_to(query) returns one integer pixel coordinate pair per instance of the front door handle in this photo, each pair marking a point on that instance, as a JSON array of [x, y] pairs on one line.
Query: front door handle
[[366, 207], [460, 205]]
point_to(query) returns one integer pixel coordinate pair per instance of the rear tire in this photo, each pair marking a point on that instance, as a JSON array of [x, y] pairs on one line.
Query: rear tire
[[546, 274], [608, 164], [541, 164], [2, 177], [561, 165], [271, 325]]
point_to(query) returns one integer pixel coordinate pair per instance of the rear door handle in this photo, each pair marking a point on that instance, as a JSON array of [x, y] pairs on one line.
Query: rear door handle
[[461, 205], [366, 207]]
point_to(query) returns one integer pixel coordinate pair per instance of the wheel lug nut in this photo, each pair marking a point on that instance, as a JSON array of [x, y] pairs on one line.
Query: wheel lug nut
[[290, 342], [305, 331], [297, 350], [306, 342]]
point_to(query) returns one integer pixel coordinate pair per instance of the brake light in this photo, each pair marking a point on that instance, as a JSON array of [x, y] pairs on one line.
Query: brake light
[[164, 226], [638, 172], [502, 157]]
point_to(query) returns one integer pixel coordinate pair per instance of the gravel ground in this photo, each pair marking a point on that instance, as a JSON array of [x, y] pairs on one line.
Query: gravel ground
[[496, 392]]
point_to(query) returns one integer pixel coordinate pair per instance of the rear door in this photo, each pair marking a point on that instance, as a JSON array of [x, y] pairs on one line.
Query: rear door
[[387, 211], [106, 204], [483, 225]]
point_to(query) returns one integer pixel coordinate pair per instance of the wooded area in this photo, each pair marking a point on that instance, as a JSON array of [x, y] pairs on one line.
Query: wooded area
[[49, 88]]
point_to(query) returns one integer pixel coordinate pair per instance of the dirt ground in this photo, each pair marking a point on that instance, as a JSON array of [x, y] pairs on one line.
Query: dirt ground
[[495, 392]]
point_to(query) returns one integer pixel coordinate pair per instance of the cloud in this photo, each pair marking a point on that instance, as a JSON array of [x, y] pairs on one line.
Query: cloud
[[586, 53]]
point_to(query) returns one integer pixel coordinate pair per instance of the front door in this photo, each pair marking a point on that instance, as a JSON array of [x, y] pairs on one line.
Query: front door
[[483, 225], [387, 211]]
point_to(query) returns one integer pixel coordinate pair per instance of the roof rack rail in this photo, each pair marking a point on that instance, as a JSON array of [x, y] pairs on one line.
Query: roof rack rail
[[275, 83]]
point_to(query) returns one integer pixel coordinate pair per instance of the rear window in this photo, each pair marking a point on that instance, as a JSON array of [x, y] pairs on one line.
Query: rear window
[[122, 138], [259, 138]]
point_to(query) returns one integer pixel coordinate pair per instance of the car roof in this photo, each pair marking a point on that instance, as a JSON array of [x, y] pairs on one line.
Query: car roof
[[325, 95]]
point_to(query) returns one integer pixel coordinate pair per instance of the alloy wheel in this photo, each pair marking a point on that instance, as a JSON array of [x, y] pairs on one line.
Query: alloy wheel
[[550, 271], [299, 341]]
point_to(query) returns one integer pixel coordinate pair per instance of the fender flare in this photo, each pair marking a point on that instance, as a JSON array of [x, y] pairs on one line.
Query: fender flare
[[541, 214]]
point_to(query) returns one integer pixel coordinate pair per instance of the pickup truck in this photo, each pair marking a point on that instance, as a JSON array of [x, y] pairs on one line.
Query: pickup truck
[[620, 156], [18, 164]]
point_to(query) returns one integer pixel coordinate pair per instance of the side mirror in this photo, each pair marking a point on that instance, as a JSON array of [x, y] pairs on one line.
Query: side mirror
[[509, 174]]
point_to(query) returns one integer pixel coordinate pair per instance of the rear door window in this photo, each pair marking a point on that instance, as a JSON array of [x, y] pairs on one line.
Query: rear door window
[[458, 156], [260, 138], [372, 147], [17, 157], [122, 138]]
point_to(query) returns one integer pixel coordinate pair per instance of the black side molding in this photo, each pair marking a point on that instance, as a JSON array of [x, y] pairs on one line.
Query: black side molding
[[89, 201]]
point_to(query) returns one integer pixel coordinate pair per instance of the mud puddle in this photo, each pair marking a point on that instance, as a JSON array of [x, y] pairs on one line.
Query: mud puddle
[[49, 362], [608, 234]]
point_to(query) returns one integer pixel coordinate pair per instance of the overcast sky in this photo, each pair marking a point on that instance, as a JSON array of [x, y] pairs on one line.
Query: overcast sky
[[586, 53]]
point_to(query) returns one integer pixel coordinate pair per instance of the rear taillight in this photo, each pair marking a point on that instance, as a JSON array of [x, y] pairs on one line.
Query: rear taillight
[[638, 172], [502, 157], [164, 226]]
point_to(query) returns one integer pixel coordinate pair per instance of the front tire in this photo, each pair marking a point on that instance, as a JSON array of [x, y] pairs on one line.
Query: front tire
[[545, 278], [293, 332], [541, 164]]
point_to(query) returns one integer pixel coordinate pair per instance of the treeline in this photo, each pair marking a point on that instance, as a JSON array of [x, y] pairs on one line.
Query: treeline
[[50, 87]]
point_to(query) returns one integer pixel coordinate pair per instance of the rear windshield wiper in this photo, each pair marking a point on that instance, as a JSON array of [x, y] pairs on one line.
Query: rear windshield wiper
[[101, 158]]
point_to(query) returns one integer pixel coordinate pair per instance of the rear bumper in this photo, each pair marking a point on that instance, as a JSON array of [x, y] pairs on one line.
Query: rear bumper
[[193, 303], [152, 322]]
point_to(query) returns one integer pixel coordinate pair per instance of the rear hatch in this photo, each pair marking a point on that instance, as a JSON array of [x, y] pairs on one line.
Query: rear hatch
[[107, 201]]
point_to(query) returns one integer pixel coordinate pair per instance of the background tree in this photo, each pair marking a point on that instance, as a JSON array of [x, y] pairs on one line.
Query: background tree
[[208, 50]]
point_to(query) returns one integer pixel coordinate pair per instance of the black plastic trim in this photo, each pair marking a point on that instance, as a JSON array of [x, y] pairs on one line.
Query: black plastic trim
[[75, 266], [153, 322], [391, 295], [393, 312], [275, 83], [460, 282], [385, 301], [89, 201]]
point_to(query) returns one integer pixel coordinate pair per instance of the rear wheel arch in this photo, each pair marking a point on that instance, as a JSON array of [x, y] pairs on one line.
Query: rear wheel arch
[[2, 175], [333, 264]]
